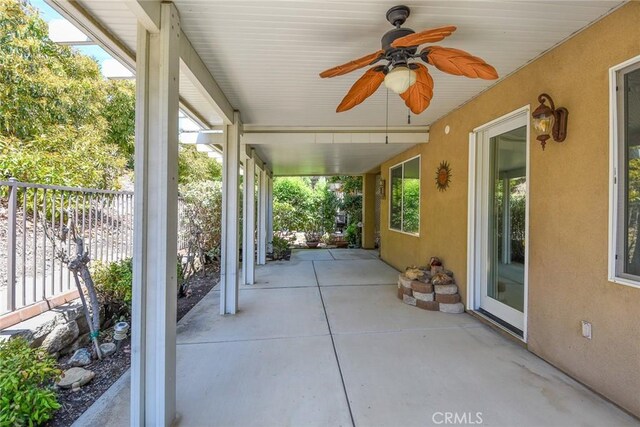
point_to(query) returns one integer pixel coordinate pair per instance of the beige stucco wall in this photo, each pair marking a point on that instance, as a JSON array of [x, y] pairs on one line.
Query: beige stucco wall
[[569, 193]]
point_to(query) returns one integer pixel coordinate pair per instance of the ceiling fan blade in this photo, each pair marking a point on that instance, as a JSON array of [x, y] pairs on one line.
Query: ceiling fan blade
[[418, 96], [427, 36], [362, 89], [458, 62], [352, 65]]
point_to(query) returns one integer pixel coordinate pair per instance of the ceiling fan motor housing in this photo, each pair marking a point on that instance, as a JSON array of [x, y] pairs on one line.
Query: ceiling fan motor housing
[[397, 56], [398, 14]]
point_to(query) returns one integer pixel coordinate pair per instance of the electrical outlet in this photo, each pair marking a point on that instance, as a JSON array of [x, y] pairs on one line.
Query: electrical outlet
[[586, 329]]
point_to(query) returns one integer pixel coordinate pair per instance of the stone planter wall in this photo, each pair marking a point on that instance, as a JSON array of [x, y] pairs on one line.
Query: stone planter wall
[[435, 290]]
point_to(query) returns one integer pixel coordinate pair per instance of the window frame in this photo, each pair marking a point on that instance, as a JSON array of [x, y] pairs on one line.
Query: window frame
[[390, 192], [617, 168]]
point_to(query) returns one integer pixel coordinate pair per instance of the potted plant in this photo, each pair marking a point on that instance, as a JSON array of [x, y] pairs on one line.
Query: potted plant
[[340, 241], [312, 238]]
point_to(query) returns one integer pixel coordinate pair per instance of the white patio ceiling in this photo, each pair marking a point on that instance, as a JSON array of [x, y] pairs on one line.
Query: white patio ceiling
[[266, 55]]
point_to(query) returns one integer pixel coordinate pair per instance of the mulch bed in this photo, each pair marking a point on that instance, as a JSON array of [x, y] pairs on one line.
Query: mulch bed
[[108, 370]]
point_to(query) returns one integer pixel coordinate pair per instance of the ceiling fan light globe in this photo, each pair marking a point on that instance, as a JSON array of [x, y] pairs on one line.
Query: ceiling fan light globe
[[400, 79]]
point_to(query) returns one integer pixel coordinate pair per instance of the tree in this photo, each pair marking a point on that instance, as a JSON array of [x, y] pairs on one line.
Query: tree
[[194, 166], [61, 122]]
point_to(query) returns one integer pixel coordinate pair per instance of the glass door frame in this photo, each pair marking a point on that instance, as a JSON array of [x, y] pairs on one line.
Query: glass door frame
[[477, 227]]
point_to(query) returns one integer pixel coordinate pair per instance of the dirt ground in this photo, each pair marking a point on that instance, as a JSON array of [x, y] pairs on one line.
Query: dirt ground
[[108, 370]]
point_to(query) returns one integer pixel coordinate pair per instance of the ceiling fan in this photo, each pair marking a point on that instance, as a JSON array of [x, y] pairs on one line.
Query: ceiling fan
[[411, 80]]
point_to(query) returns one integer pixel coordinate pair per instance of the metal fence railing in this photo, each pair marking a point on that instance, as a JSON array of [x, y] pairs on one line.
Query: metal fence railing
[[32, 272]]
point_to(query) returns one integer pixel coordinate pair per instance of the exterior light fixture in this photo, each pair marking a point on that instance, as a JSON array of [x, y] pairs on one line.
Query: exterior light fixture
[[547, 119], [400, 78]]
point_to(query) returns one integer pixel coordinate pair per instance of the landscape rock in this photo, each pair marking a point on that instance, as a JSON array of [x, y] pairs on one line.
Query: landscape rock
[[448, 299], [82, 357], [75, 377], [441, 279], [107, 348], [452, 308], [61, 336], [425, 279], [446, 289], [66, 314], [407, 291], [413, 273], [435, 269], [409, 300], [80, 342], [423, 296]]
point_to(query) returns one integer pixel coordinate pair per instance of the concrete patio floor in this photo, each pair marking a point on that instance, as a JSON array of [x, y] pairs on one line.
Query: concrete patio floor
[[322, 340]]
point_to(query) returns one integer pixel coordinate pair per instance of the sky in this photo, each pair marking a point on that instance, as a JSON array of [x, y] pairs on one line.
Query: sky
[[61, 29]]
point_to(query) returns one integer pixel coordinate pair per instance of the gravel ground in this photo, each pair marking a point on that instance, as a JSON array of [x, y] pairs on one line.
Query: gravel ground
[[111, 368]]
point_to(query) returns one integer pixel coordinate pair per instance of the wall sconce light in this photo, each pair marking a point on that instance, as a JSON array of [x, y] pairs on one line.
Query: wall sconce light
[[548, 118], [381, 188]]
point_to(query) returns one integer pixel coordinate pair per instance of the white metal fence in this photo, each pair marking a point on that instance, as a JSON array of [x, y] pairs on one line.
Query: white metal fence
[[32, 272]]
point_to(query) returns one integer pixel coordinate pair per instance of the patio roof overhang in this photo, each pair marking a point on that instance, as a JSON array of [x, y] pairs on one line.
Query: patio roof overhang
[[251, 68], [263, 59]]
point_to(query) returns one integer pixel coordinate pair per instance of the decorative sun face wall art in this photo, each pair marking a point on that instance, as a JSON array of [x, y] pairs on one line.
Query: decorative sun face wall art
[[443, 176]]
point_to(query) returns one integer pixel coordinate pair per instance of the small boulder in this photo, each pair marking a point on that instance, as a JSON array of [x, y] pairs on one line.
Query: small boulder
[[441, 279], [107, 348], [82, 357], [61, 336], [75, 377]]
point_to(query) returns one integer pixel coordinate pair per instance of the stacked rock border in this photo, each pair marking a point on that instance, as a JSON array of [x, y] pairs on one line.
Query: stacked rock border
[[431, 288]]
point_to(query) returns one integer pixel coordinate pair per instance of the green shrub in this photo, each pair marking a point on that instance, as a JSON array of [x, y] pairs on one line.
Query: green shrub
[[201, 218], [114, 287], [26, 377], [280, 247]]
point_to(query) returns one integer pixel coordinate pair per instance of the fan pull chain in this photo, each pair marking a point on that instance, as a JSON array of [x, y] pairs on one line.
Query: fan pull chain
[[408, 116], [386, 128]]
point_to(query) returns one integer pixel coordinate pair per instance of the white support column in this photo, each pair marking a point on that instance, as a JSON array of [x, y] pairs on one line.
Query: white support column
[[230, 236], [262, 218], [249, 222], [153, 365], [243, 276], [269, 213]]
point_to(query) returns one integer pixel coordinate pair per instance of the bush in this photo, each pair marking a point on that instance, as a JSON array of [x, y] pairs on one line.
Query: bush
[[113, 284], [280, 247], [299, 207], [26, 377], [201, 218]]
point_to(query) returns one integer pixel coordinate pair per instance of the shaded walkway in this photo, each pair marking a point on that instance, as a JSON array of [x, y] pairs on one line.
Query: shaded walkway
[[322, 340]]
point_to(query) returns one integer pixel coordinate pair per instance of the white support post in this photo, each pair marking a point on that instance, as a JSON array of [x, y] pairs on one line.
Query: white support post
[[243, 277], [262, 218], [269, 213], [230, 236], [249, 222], [153, 365]]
